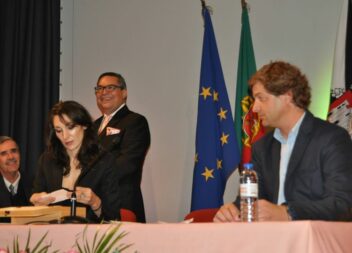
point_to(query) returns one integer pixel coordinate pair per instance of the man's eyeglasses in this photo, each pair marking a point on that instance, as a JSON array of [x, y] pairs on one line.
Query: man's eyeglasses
[[108, 88]]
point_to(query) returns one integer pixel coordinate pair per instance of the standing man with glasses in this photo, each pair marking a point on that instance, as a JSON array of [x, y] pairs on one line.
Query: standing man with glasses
[[12, 189], [125, 134]]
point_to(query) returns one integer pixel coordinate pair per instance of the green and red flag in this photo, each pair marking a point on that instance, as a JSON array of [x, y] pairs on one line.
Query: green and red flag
[[247, 124]]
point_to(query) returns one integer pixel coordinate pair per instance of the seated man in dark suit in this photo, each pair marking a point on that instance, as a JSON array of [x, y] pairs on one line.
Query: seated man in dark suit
[[12, 189], [126, 135], [304, 166]]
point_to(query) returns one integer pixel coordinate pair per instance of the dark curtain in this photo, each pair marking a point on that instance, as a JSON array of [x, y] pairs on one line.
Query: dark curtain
[[29, 73]]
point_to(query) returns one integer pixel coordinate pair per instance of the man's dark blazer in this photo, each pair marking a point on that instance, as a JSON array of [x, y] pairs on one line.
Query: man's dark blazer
[[100, 178], [129, 147], [318, 183], [22, 196]]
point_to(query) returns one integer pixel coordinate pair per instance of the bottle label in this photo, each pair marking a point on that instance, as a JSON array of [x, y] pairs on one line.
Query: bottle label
[[249, 190]]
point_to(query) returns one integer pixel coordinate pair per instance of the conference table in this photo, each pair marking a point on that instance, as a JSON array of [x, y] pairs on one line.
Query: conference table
[[280, 237]]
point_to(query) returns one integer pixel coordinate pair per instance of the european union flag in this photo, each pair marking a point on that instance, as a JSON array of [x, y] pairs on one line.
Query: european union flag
[[217, 152]]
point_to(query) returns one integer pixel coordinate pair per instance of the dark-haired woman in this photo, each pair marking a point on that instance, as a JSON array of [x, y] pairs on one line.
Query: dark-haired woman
[[74, 161]]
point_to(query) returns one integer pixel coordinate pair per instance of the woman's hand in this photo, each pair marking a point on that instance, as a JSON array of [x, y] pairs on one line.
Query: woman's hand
[[41, 199], [86, 196]]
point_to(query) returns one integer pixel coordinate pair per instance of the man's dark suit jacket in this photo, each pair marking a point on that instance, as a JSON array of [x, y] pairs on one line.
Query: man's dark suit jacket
[[100, 178], [129, 147], [20, 199], [318, 182]]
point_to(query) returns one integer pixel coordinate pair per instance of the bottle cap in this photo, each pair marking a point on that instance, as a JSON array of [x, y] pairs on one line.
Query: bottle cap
[[248, 166]]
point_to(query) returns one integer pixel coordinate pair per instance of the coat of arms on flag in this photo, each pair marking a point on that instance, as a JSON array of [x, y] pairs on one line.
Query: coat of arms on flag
[[340, 111]]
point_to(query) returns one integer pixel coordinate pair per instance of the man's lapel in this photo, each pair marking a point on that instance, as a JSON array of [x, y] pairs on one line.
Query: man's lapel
[[275, 167], [302, 141], [4, 193], [108, 141], [113, 123]]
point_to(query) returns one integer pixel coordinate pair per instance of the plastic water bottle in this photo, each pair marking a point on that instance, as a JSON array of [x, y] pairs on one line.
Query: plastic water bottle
[[248, 193]]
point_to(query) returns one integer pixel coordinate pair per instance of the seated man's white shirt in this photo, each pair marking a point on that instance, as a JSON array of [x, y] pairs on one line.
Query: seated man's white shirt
[[15, 184], [287, 146]]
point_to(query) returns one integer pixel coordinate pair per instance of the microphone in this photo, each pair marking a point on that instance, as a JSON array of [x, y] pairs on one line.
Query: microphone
[[73, 204], [73, 218]]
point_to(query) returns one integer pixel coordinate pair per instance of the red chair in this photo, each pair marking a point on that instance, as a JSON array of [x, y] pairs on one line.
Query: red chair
[[127, 215], [202, 215]]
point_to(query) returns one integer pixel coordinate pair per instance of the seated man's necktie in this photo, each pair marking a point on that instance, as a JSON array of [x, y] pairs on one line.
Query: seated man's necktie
[[12, 190]]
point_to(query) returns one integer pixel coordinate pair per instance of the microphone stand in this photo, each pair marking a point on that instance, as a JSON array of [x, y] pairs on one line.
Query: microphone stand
[[73, 204], [73, 218]]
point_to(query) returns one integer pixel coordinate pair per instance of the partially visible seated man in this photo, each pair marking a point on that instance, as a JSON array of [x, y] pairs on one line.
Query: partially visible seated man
[[12, 189], [304, 166]]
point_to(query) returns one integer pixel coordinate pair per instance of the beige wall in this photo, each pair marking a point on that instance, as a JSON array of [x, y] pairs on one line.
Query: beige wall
[[157, 46]]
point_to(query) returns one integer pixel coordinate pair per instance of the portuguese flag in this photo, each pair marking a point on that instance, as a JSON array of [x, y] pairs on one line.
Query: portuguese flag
[[247, 124]]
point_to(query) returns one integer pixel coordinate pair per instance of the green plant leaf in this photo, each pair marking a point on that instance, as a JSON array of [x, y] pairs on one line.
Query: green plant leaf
[[122, 247], [26, 248], [39, 242], [15, 245], [102, 243], [85, 244], [99, 242], [79, 247], [94, 241], [119, 237], [107, 237], [44, 249]]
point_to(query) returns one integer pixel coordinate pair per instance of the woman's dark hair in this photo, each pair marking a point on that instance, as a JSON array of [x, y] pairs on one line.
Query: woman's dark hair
[[89, 150]]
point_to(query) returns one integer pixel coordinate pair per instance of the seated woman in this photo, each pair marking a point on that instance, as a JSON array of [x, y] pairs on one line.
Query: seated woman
[[74, 161]]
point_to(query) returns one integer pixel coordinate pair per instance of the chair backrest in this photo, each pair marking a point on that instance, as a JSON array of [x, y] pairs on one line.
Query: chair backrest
[[127, 215], [202, 215]]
